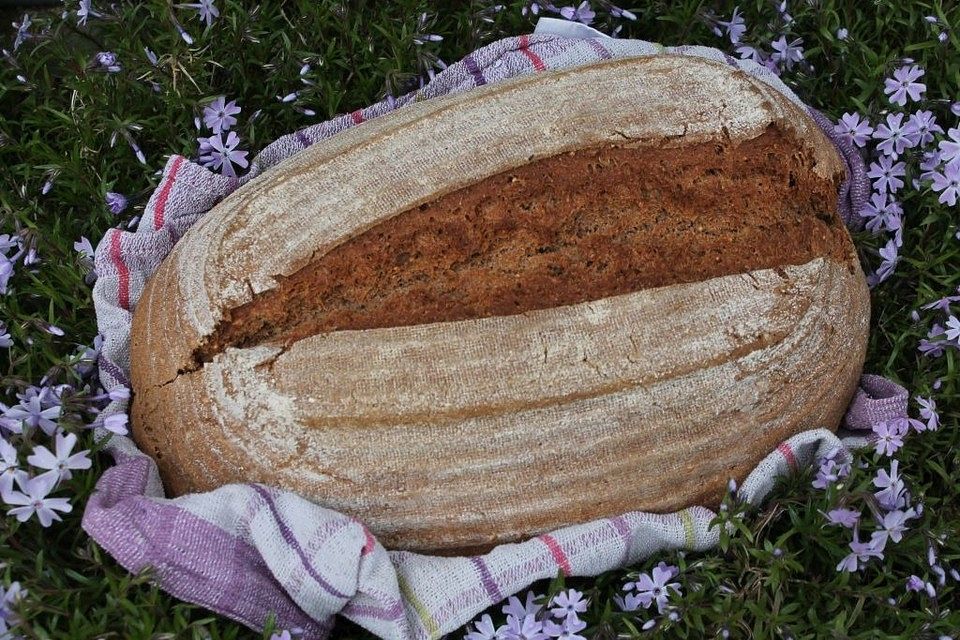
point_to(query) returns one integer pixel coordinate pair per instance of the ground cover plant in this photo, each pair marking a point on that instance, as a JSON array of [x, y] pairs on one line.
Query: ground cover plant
[[95, 95]]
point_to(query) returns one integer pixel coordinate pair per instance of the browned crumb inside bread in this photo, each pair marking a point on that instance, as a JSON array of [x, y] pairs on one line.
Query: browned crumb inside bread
[[579, 226]]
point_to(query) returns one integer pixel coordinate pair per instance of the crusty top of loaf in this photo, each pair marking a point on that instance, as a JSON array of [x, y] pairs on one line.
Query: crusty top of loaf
[[341, 187]]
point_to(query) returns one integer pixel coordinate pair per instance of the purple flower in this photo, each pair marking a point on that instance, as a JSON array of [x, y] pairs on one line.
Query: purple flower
[[895, 135], [830, 470], [929, 164], [206, 9], [568, 629], [844, 517], [893, 493], [950, 149], [282, 635], [782, 12], [9, 600], [948, 183], [928, 411], [893, 524], [787, 54], [116, 423], [32, 499], [656, 589], [889, 436], [9, 466], [583, 13], [533, 8], [860, 552], [903, 85], [23, 31], [107, 61], [61, 463], [882, 212], [5, 340], [924, 123], [854, 129], [527, 628], [116, 202], [630, 602], [6, 272], [889, 263], [484, 630], [218, 115], [223, 154], [953, 329], [736, 27], [85, 11], [887, 174], [617, 12], [32, 415], [842, 33], [746, 52], [914, 584], [520, 611], [568, 603], [932, 345]]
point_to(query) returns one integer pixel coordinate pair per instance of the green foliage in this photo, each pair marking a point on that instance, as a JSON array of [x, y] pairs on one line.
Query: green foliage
[[74, 124]]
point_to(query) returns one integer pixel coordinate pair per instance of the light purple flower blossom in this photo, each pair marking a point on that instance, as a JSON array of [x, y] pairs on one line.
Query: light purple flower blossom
[[151, 56], [23, 31], [32, 415], [9, 466], [844, 517], [9, 599], [116, 202], [854, 129], [860, 553], [924, 123], [86, 11], [568, 603], [116, 423], [782, 12], [928, 411], [895, 136], [527, 628], [582, 13], [929, 163], [893, 524], [32, 499], [518, 610], [568, 629], [223, 154], [533, 8], [736, 27], [830, 470], [948, 183], [107, 61], [950, 149], [5, 340], [218, 115], [484, 630], [6, 272], [952, 329], [62, 463], [206, 9], [282, 635], [630, 602], [914, 583], [617, 12], [842, 33], [904, 85], [893, 494], [656, 589], [887, 175], [746, 52], [787, 53], [890, 435], [890, 257], [881, 213]]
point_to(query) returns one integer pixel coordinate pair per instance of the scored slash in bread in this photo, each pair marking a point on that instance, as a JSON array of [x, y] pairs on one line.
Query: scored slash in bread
[[485, 316]]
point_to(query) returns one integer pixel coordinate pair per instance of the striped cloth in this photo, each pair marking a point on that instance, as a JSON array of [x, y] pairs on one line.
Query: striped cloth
[[247, 550]]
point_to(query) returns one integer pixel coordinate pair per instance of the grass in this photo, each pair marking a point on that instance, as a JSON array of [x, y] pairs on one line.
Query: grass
[[59, 121]]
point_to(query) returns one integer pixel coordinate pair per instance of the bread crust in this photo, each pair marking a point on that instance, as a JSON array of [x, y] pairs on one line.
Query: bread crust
[[648, 400]]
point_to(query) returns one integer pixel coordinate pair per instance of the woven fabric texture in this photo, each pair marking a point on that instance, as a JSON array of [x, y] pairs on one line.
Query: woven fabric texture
[[247, 550]]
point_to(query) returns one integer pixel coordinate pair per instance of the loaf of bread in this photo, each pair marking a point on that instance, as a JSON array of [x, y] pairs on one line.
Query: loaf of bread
[[485, 316]]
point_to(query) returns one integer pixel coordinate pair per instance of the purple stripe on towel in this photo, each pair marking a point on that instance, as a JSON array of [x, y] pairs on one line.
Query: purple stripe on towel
[[492, 590], [303, 139], [474, 70], [291, 541]]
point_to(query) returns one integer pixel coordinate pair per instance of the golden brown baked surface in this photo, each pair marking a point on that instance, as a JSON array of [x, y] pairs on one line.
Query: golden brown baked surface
[[579, 226]]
